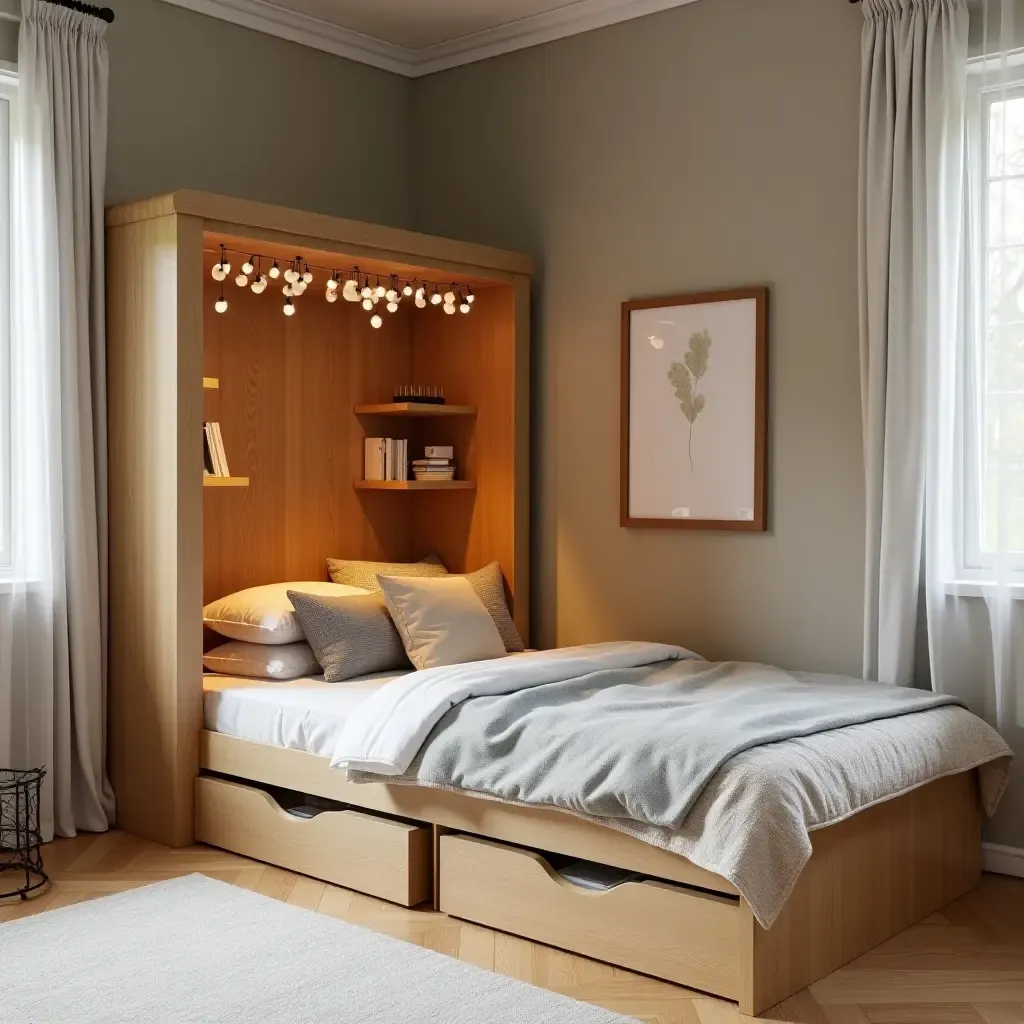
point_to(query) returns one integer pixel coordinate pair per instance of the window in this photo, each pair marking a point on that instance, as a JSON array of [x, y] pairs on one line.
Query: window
[[8, 86], [991, 377]]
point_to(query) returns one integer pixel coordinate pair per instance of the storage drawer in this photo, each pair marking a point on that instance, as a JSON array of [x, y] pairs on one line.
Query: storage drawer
[[385, 858], [671, 932]]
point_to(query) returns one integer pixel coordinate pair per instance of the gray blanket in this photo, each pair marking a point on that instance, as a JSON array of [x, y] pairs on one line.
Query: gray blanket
[[643, 743]]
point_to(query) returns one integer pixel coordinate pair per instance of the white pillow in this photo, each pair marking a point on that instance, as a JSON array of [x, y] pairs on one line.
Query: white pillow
[[263, 661], [264, 615], [441, 621]]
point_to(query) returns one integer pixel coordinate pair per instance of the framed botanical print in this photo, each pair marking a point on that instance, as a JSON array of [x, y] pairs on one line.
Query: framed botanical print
[[695, 411]]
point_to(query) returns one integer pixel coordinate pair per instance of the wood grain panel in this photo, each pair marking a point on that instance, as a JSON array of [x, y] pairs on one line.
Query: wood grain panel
[[385, 858], [288, 388], [154, 383], [674, 933], [869, 877], [474, 358]]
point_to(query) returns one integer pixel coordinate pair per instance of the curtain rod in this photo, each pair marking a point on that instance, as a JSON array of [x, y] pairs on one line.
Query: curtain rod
[[103, 13]]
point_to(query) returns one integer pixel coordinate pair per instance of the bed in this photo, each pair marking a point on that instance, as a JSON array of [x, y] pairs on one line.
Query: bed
[[871, 868]]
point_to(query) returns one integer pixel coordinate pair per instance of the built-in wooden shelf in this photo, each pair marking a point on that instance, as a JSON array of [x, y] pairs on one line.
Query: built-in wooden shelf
[[225, 481], [211, 383], [415, 485], [414, 409]]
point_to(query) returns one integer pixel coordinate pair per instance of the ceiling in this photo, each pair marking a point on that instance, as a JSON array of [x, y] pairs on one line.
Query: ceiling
[[418, 37]]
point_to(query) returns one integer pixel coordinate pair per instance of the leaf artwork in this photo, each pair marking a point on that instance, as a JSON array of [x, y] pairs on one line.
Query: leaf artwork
[[685, 378]]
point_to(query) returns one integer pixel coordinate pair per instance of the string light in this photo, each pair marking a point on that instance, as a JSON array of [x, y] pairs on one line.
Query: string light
[[352, 285]]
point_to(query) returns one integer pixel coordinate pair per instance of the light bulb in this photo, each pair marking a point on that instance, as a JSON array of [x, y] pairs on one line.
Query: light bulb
[[469, 297], [367, 304], [366, 291], [287, 290], [331, 296], [381, 290], [392, 307], [350, 291], [449, 298], [464, 306], [375, 320], [299, 287], [449, 308], [391, 295], [226, 267], [259, 286], [247, 267], [307, 277], [289, 308], [291, 275], [420, 302], [332, 284], [407, 290], [221, 305], [275, 270], [218, 273], [435, 299], [241, 280]]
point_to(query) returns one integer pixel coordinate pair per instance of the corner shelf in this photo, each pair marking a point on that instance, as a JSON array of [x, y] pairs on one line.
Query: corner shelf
[[225, 481], [414, 409], [414, 485], [211, 383]]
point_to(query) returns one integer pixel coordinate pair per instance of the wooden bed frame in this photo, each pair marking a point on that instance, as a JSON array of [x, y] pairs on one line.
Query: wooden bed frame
[[296, 397], [870, 876]]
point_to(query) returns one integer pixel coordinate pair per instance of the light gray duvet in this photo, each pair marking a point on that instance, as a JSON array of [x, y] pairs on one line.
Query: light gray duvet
[[730, 765]]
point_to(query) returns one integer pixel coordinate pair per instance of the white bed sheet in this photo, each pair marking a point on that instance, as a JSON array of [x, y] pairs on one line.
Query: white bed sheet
[[300, 714]]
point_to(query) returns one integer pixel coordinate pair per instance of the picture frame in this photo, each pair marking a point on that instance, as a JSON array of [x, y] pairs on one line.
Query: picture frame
[[694, 428]]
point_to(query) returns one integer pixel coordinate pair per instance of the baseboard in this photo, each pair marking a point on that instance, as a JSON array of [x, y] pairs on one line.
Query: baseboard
[[1003, 860]]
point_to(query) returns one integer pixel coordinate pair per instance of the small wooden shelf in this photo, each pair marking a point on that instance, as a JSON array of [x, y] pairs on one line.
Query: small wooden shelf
[[211, 383], [225, 481], [414, 409], [415, 485]]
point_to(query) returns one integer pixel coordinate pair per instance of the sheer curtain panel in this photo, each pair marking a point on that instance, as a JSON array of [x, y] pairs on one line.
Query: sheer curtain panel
[[53, 593]]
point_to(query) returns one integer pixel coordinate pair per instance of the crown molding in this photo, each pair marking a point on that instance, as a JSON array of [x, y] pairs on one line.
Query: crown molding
[[581, 16]]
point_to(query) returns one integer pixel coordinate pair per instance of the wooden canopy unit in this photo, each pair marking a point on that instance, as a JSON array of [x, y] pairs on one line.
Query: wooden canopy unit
[[296, 397]]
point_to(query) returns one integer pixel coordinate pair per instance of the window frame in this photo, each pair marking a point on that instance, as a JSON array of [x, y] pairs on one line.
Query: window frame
[[974, 562], [8, 121]]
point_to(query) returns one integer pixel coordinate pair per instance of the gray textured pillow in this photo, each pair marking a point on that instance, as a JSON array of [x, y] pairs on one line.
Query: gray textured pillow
[[489, 585], [348, 571], [350, 636]]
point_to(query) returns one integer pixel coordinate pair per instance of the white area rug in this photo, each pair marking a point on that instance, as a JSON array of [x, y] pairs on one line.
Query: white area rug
[[198, 950]]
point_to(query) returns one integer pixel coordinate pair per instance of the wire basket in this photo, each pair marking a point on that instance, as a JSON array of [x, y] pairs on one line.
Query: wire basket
[[21, 856]]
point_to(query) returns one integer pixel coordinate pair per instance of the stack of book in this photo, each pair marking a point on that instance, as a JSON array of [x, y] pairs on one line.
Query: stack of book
[[386, 458], [215, 462], [437, 463]]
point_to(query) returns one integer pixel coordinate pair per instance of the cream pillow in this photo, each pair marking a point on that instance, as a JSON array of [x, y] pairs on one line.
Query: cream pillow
[[264, 615], [263, 661], [441, 620], [364, 574]]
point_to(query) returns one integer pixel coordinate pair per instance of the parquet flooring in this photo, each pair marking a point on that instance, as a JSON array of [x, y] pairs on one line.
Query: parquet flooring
[[964, 965]]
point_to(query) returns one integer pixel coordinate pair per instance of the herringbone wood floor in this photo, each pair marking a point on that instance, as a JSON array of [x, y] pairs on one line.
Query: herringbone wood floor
[[962, 966]]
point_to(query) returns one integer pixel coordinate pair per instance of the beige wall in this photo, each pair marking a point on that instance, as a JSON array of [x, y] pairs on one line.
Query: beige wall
[[709, 146], [199, 103]]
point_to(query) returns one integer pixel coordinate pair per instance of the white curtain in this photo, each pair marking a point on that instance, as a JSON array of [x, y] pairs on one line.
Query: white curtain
[[912, 113], [53, 613]]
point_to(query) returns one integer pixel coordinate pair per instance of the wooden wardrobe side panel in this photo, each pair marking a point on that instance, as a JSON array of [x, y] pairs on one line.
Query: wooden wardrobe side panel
[[154, 410], [477, 358], [288, 386]]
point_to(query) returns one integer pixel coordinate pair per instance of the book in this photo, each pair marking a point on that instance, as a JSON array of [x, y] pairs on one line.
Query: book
[[214, 459], [431, 462], [373, 465], [208, 468], [222, 458], [439, 451]]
